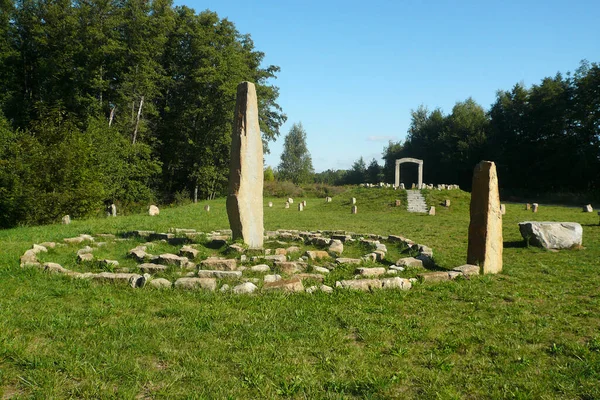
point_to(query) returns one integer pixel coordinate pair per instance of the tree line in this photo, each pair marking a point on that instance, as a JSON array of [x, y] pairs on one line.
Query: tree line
[[543, 139], [125, 101]]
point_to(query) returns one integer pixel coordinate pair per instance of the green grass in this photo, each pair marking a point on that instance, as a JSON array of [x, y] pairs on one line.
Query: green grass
[[531, 332]]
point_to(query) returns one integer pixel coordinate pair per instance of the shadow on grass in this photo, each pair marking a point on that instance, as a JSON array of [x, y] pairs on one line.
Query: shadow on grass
[[515, 244]]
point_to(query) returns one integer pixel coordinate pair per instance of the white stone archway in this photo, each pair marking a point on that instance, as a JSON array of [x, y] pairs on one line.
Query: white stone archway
[[412, 160]]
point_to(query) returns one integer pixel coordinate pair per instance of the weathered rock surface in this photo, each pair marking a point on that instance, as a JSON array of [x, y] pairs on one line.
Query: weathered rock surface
[[153, 210], [220, 264], [245, 199], [316, 254], [260, 268], [396, 283], [348, 260], [245, 288], [360, 284], [189, 252], [467, 269], [485, 228], [209, 284], [150, 268], [172, 259], [552, 235], [291, 267], [54, 267], [336, 247], [134, 280], [286, 285], [85, 257], [160, 283], [439, 276], [203, 273], [370, 271], [409, 262], [271, 278]]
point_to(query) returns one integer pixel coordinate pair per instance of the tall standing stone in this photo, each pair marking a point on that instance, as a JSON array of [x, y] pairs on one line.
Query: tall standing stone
[[485, 228], [245, 199]]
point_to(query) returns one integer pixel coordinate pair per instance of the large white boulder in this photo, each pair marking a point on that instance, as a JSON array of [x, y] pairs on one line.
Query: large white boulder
[[552, 235]]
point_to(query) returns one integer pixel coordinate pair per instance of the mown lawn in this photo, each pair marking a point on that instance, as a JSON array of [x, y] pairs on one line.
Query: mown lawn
[[531, 332]]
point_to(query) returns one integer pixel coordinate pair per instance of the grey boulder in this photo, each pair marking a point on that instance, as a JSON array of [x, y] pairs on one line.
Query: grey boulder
[[552, 235]]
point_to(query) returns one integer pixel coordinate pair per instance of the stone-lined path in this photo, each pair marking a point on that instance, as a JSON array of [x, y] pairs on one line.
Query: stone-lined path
[[416, 201]]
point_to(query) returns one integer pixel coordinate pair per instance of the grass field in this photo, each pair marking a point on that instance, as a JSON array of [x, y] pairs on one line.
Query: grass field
[[531, 332]]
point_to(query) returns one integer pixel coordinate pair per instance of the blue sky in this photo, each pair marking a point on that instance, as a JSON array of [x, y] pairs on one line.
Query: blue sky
[[351, 71]]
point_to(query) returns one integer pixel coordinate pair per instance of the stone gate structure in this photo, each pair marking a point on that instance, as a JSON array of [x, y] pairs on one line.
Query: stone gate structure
[[412, 160]]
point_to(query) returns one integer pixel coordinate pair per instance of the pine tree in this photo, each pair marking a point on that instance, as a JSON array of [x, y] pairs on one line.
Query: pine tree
[[296, 163]]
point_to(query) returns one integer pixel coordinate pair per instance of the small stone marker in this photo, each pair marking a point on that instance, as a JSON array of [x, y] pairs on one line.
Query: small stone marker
[[534, 207], [432, 210], [354, 210], [113, 210], [66, 220], [245, 199], [527, 206], [328, 199], [588, 208], [446, 203], [287, 204], [413, 186], [207, 208], [270, 204], [485, 228], [304, 203], [398, 203], [402, 186], [300, 206], [290, 200], [153, 210], [353, 200], [503, 209]]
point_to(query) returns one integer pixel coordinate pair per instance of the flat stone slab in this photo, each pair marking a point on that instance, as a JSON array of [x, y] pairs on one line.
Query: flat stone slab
[[172, 259], [189, 252], [439, 276], [552, 235], [209, 284], [260, 268], [219, 274], [221, 264], [291, 267], [409, 262], [467, 269], [160, 283], [286, 285], [396, 283], [134, 280], [245, 288], [348, 260], [150, 268], [54, 267], [371, 271], [364, 285], [317, 254]]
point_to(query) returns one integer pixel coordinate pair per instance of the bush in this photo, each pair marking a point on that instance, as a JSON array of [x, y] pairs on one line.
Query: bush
[[282, 189]]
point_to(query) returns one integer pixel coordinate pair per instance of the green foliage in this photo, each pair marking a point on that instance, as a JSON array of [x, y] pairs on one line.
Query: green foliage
[[296, 163], [151, 85], [331, 177], [357, 174], [269, 175]]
